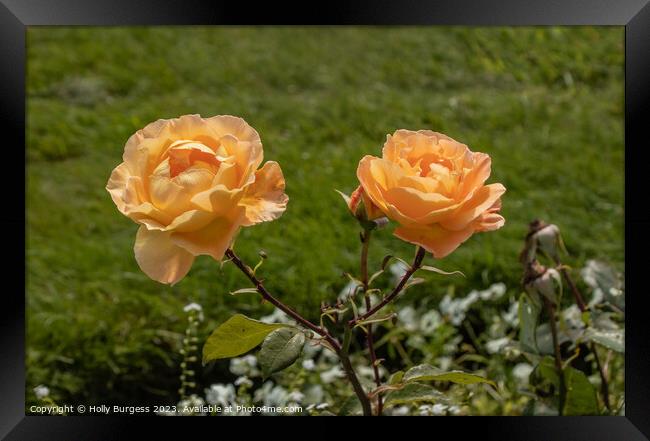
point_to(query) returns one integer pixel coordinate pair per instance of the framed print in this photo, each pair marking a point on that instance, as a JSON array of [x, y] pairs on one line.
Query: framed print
[[396, 210]]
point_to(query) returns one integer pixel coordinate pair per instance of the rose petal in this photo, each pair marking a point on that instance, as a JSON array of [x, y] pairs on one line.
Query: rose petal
[[435, 239], [482, 200], [414, 203], [174, 195], [265, 199], [218, 200], [117, 184], [212, 240], [150, 216], [159, 258], [476, 176], [247, 156], [192, 220]]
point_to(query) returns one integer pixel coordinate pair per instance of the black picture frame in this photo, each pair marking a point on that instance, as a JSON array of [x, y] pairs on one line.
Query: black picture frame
[[17, 15]]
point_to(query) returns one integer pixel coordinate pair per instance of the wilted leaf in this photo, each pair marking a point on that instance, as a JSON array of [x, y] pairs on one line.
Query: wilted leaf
[[374, 276], [243, 291], [376, 319], [238, 335], [280, 350], [412, 282], [433, 269]]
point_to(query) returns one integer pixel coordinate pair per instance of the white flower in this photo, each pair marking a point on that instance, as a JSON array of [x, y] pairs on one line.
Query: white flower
[[348, 290], [322, 406], [220, 394], [278, 396], [245, 365], [313, 394], [243, 380], [400, 411], [296, 396], [332, 374], [311, 351], [455, 309], [369, 372], [191, 406], [439, 409], [398, 269], [430, 321], [330, 356], [406, 316], [494, 292], [496, 346], [444, 363], [511, 317], [192, 307], [308, 364], [277, 316], [522, 371], [41, 391]]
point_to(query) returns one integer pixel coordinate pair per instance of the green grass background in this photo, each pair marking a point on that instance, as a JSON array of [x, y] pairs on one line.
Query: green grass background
[[545, 103]]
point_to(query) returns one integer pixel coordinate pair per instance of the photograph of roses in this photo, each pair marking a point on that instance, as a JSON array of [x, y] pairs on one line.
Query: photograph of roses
[[325, 221]]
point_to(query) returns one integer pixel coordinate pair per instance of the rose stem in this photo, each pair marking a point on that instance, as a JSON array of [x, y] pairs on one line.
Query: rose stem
[[365, 236], [417, 263], [577, 295], [558, 357], [343, 356]]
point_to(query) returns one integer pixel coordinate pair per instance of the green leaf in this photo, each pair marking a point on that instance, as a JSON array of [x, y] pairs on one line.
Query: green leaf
[[611, 338], [544, 377], [396, 378], [415, 393], [581, 398], [280, 350], [351, 406], [433, 269], [528, 316], [238, 335], [424, 372]]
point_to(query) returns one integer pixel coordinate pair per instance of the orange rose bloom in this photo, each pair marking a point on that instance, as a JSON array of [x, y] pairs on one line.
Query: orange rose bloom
[[192, 183], [434, 187]]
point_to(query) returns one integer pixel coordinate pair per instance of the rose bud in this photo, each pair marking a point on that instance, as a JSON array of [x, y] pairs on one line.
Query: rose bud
[[363, 209], [549, 241], [541, 282]]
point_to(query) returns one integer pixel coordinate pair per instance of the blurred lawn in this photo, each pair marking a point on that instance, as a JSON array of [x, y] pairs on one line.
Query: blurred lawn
[[545, 103]]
